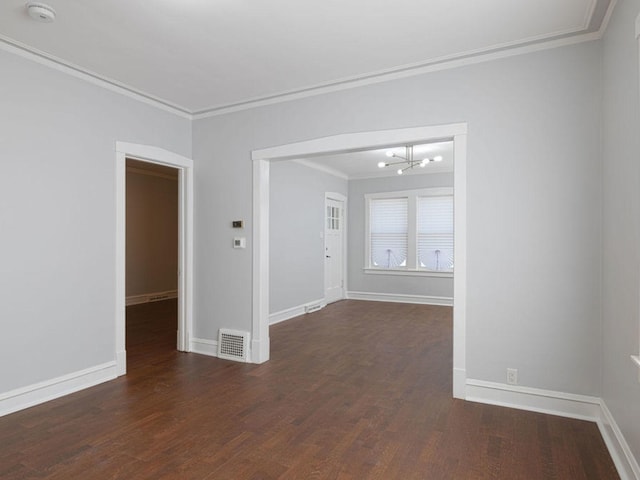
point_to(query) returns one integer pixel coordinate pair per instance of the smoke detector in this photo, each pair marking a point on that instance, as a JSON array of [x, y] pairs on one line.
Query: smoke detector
[[41, 12]]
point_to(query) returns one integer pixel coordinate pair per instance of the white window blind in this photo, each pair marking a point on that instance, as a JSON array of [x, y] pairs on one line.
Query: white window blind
[[389, 232], [435, 233]]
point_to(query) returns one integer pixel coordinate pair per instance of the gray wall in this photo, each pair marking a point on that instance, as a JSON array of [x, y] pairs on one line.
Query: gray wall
[[296, 244], [57, 207], [533, 187], [362, 282], [621, 212], [152, 234]]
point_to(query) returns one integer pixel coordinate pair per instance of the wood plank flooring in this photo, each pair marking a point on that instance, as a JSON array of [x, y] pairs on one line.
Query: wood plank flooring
[[358, 390]]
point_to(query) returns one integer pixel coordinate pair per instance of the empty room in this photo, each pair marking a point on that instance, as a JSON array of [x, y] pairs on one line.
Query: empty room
[[405, 239]]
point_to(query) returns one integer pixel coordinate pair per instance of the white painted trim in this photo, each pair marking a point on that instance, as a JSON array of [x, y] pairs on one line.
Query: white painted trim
[[159, 156], [56, 63], [388, 173], [204, 347], [345, 228], [607, 18], [120, 258], [533, 44], [151, 297], [638, 27], [419, 192], [260, 282], [533, 399], [460, 259], [358, 141], [412, 197], [619, 449], [407, 272], [400, 298], [289, 313], [348, 142], [459, 382], [569, 405], [589, 14], [41, 392], [435, 65], [323, 168]]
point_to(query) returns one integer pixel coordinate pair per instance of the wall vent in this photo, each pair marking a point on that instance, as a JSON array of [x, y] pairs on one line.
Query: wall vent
[[233, 345], [314, 307]]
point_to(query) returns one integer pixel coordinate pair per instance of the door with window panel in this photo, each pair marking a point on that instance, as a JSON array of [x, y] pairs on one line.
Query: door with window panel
[[334, 250]]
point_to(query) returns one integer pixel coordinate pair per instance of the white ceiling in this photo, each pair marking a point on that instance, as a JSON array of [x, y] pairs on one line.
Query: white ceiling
[[364, 164], [203, 55]]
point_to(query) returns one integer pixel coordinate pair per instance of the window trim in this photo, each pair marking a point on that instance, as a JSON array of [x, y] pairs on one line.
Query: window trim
[[412, 251]]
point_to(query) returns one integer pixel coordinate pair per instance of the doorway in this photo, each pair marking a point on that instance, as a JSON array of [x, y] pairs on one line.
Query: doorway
[[184, 166], [334, 248], [151, 257], [352, 142]]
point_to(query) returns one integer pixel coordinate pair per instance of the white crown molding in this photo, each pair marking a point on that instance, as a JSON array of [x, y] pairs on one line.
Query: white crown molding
[[323, 168], [505, 50], [43, 58], [607, 18], [387, 173], [439, 64]]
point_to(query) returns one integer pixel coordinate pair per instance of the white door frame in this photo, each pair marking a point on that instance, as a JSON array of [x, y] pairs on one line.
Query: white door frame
[[184, 165], [350, 142], [340, 198]]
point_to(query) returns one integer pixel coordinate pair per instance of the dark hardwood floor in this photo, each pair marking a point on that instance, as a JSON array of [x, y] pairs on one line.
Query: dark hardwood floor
[[358, 390]]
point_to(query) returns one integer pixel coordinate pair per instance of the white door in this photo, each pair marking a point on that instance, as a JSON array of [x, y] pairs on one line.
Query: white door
[[334, 250]]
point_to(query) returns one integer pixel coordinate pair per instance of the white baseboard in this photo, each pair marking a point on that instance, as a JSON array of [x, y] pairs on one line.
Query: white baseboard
[[151, 297], [121, 362], [459, 383], [617, 445], [41, 392], [293, 312], [401, 298], [534, 399], [204, 347], [260, 350], [563, 404]]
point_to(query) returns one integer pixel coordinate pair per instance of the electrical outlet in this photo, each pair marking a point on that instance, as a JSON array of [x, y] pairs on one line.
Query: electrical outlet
[[512, 376]]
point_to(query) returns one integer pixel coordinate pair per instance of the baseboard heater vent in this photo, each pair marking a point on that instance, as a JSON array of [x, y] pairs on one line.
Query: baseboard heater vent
[[312, 308], [233, 345]]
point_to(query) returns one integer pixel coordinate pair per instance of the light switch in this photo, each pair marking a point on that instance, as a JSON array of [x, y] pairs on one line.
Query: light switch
[[239, 242]]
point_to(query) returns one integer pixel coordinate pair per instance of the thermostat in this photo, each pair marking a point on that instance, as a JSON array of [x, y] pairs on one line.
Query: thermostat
[[239, 242]]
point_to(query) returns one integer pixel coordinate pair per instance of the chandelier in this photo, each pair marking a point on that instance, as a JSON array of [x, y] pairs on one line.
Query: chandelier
[[407, 162]]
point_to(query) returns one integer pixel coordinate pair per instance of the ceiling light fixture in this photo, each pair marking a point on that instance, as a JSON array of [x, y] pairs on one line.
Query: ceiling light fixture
[[41, 12], [407, 161]]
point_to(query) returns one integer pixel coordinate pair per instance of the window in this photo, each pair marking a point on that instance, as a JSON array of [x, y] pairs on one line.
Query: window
[[410, 232], [333, 218], [435, 233], [389, 232]]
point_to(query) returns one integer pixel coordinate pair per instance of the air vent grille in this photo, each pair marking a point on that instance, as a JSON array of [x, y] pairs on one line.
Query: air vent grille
[[233, 345]]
